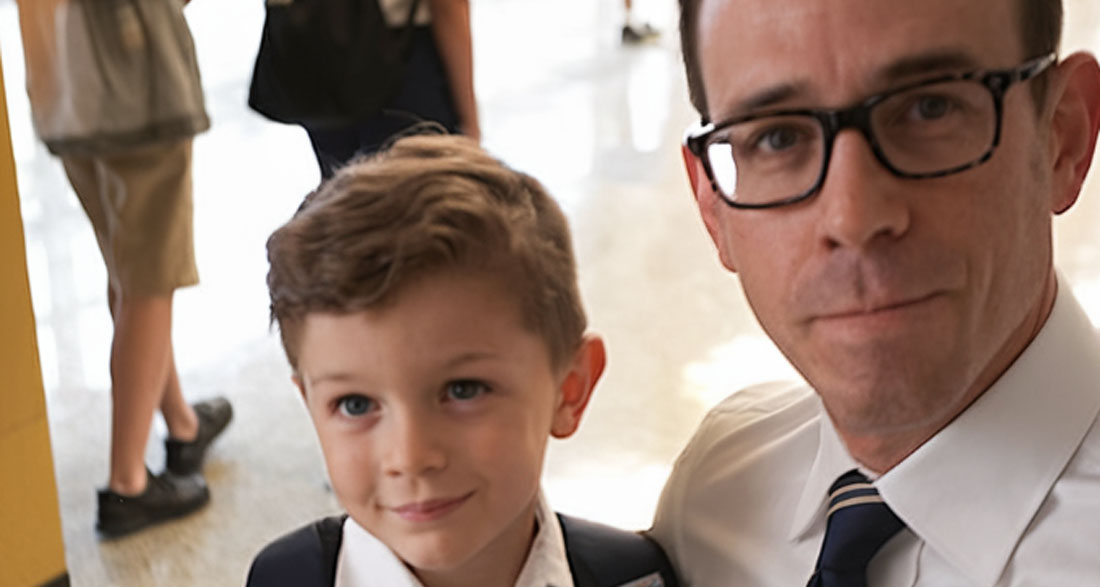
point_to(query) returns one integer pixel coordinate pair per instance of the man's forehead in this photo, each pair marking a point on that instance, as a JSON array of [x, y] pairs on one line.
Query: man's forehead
[[833, 51]]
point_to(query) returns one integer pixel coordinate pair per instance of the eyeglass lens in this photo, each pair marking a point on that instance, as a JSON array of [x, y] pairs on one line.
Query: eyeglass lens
[[924, 130]]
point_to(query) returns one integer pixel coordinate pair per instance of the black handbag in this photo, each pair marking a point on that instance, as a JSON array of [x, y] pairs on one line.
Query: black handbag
[[327, 62]]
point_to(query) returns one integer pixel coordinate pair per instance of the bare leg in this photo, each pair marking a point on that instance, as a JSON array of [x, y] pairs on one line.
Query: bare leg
[[140, 362], [182, 422]]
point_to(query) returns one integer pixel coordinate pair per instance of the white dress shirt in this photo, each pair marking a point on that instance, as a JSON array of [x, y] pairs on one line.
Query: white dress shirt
[[1008, 494], [364, 561]]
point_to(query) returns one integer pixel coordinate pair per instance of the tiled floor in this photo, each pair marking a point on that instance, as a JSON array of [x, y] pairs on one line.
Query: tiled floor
[[599, 123]]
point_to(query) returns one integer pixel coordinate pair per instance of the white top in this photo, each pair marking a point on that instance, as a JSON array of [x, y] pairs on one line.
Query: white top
[[396, 12], [364, 561], [1006, 495]]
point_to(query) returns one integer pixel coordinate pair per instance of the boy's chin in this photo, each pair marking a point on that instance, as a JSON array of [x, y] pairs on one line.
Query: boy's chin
[[464, 549]]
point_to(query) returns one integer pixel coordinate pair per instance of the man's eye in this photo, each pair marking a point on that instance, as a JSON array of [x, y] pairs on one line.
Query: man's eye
[[931, 108], [355, 405], [778, 139], [465, 390]]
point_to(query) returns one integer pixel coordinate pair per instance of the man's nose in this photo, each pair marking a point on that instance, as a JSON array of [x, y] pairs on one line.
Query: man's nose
[[411, 446], [859, 200]]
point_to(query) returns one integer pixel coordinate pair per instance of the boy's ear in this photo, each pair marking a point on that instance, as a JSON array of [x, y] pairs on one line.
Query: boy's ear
[[577, 385]]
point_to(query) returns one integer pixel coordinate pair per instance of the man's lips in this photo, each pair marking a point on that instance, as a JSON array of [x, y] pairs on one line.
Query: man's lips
[[432, 509], [871, 309]]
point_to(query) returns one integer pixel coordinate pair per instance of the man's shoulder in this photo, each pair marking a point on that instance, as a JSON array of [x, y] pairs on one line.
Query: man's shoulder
[[767, 397], [760, 422], [763, 409], [732, 491]]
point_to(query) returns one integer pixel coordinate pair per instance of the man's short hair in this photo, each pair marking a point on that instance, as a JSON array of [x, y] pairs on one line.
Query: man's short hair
[[427, 204], [1040, 28]]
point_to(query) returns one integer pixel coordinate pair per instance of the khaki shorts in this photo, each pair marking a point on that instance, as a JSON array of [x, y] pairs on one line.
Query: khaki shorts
[[139, 202]]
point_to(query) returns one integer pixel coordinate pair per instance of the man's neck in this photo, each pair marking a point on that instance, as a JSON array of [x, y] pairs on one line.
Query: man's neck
[[882, 451]]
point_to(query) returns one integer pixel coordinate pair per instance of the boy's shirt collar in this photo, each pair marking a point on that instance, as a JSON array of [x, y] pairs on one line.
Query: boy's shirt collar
[[364, 561], [547, 563]]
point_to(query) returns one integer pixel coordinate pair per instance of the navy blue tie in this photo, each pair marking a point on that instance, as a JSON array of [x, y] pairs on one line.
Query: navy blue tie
[[859, 523]]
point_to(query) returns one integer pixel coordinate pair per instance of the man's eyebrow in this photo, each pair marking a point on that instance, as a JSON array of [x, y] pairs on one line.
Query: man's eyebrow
[[765, 98], [901, 69], [925, 63]]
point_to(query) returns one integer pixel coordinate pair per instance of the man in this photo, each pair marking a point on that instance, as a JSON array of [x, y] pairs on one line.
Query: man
[[882, 176], [115, 94]]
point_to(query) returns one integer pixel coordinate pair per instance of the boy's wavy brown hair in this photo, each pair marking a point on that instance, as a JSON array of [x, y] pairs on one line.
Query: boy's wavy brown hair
[[425, 204]]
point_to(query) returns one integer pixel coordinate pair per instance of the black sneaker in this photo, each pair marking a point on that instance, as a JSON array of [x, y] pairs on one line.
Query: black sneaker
[[637, 34], [166, 496], [185, 458]]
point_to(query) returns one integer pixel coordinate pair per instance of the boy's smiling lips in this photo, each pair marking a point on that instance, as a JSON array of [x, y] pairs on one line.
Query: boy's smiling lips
[[429, 510]]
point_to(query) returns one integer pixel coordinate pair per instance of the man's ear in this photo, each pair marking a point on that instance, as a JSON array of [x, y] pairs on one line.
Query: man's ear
[[1075, 90], [577, 385], [708, 202]]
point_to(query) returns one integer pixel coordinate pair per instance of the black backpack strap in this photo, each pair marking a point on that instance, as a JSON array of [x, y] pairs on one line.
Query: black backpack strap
[[304, 558], [602, 556]]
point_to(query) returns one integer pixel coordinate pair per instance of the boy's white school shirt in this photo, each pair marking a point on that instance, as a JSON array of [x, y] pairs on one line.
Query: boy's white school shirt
[[364, 561]]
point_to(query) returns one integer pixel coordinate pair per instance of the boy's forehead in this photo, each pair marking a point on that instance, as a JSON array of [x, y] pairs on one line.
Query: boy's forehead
[[836, 50], [441, 320]]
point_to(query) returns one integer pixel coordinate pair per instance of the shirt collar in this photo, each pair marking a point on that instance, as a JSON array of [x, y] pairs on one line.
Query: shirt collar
[[832, 460], [365, 560], [547, 563], [1004, 453]]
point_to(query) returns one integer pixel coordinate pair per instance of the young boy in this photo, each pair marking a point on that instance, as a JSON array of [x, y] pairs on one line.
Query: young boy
[[427, 302]]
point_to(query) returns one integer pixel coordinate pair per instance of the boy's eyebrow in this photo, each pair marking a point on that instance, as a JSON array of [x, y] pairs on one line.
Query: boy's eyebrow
[[457, 360], [335, 377], [471, 357]]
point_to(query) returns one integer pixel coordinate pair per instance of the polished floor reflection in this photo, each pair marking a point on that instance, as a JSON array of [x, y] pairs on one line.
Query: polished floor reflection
[[598, 123]]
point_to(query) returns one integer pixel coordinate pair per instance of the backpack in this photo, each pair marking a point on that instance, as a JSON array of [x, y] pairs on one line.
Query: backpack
[[599, 556], [327, 62]]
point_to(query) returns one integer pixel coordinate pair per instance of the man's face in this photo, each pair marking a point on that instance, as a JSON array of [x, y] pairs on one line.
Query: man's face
[[890, 295], [433, 413]]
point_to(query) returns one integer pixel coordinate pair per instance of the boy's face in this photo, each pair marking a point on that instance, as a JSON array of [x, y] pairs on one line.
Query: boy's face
[[433, 413]]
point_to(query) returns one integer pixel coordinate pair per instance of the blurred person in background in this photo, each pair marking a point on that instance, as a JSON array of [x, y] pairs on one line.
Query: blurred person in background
[[115, 93], [355, 74]]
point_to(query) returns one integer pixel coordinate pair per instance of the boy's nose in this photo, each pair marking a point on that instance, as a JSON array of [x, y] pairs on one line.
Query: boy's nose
[[412, 448]]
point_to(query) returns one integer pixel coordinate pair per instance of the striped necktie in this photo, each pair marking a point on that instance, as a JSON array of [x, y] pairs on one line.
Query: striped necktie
[[859, 523]]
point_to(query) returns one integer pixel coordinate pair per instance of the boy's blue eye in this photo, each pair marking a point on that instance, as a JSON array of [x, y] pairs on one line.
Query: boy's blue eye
[[465, 390], [355, 405]]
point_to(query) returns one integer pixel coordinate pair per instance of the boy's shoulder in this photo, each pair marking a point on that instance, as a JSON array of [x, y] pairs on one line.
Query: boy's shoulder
[[604, 556], [302, 558]]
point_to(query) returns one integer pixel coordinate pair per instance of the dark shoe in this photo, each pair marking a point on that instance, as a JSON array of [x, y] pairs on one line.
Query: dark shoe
[[637, 34], [185, 458], [166, 496]]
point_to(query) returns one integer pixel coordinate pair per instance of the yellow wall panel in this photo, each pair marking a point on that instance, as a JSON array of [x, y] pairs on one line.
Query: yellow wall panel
[[31, 548]]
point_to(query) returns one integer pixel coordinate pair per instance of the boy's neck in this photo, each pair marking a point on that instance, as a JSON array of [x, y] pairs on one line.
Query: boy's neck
[[497, 565]]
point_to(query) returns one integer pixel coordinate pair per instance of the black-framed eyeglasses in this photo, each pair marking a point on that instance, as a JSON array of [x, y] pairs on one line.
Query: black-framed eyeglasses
[[926, 129]]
